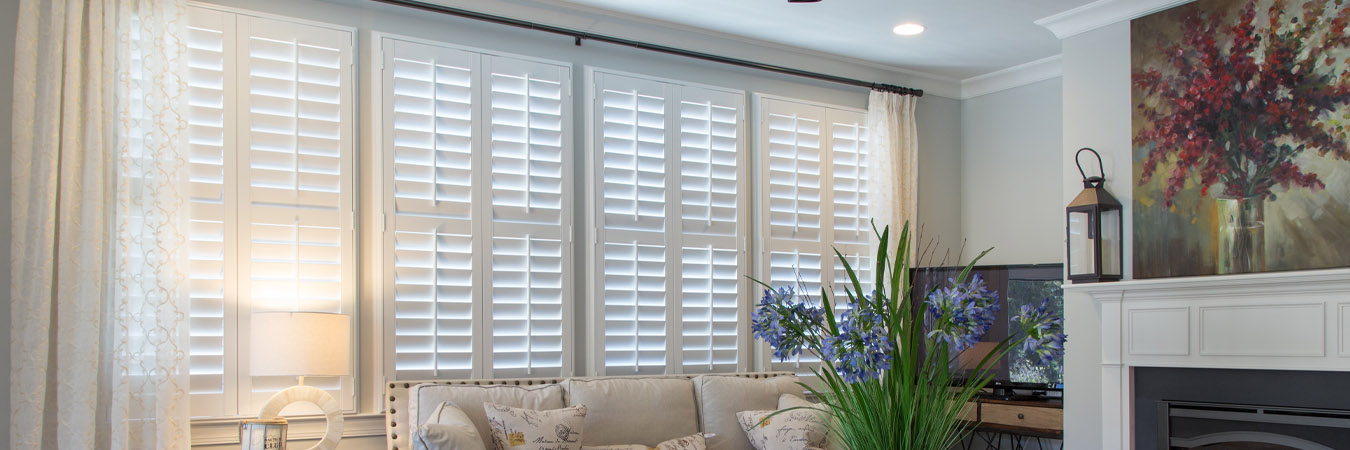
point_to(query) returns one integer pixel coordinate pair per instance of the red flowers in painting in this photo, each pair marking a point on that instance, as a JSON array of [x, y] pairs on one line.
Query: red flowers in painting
[[1243, 98]]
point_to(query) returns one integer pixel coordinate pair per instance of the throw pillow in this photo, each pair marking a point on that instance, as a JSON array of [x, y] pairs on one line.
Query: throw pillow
[[798, 429], [447, 428], [691, 442], [526, 429]]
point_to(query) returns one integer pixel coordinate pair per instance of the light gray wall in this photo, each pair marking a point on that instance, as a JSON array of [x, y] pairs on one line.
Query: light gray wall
[[939, 222], [9, 13], [1010, 168], [1096, 77]]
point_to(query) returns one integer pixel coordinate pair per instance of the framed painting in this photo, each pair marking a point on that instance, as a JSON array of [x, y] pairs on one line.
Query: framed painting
[[1241, 121]]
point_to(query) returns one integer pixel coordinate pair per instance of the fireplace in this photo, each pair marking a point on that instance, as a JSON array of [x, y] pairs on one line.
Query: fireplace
[[1187, 408], [1256, 361]]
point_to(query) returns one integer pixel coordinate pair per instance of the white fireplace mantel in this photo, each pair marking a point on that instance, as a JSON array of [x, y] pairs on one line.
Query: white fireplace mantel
[[1284, 320]]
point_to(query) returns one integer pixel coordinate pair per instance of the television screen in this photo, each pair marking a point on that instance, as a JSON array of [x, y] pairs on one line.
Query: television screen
[[1015, 285]]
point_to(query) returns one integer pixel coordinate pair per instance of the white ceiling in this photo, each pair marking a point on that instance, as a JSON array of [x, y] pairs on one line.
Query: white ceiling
[[965, 38]]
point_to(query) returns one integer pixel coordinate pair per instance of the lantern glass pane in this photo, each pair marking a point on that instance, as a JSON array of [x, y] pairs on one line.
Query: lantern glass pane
[[1111, 245], [1082, 249]]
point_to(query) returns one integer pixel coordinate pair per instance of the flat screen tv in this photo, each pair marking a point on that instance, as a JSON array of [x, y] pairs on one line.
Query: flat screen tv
[[1016, 285]]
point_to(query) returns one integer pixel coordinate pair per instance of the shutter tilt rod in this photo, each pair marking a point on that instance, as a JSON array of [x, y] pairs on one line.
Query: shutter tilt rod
[[579, 35]]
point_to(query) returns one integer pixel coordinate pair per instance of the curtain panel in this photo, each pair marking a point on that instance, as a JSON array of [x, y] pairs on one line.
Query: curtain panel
[[98, 333], [893, 169]]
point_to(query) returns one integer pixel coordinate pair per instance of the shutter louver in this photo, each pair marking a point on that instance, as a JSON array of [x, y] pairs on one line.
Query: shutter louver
[[210, 229], [295, 198], [669, 236], [530, 247], [429, 116]]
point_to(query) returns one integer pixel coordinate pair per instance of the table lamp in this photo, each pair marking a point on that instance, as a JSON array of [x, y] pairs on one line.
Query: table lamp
[[302, 344]]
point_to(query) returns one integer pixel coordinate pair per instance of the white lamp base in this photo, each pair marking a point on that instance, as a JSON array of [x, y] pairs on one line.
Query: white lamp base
[[331, 411]]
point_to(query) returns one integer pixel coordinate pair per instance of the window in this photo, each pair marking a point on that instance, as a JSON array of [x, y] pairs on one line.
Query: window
[[477, 153], [272, 198], [813, 201], [670, 228]]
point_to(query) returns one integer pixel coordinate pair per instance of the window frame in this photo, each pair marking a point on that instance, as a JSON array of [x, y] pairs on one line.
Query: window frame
[[595, 307], [236, 378], [380, 241], [764, 359]]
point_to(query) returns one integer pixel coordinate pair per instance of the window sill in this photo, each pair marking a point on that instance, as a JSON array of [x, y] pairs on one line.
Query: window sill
[[226, 431]]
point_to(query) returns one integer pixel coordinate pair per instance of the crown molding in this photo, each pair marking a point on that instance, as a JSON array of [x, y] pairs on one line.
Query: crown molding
[[1015, 76], [1102, 13]]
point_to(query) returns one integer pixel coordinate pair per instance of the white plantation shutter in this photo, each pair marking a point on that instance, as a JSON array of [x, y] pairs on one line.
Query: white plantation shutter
[[669, 238], [814, 201], [853, 234], [529, 165], [296, 201], [270, 135], [713, 174], [477, 153], [211, 230], [430, 145]]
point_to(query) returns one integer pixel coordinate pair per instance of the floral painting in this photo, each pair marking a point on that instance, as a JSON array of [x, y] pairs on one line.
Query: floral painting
[[1241, 126]]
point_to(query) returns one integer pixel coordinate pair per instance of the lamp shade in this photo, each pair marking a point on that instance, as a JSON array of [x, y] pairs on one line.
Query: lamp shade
[[300, 344]]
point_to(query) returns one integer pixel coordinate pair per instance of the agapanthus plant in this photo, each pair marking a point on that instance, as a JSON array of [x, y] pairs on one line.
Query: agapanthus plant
[[886, 366]]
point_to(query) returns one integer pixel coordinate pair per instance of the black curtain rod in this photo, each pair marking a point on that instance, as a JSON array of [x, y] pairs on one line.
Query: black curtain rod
[[580, 35]]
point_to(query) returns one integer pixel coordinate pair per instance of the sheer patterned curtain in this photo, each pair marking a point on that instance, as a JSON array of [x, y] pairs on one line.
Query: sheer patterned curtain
[[99, 326], [893, 152]]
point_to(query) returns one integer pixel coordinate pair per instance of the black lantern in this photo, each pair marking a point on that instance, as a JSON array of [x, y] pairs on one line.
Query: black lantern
[[1095, 249]]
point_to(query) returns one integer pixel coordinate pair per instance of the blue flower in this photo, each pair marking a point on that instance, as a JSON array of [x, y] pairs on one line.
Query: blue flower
[[1044, 331], [782, 318], [961, 313], [861, 350]]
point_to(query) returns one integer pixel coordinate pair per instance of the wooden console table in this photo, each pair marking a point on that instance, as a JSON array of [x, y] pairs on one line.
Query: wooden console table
[[1019, 421]]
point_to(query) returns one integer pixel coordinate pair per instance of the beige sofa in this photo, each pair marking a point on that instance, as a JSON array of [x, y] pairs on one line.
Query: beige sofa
[[620, 410]]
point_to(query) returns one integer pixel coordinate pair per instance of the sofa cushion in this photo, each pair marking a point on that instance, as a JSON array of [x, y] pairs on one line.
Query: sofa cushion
[[690, 442], [642, 411], [424, 398], [722, 396]]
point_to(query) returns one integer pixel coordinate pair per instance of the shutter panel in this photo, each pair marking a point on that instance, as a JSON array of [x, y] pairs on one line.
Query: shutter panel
[[432, 270], [631, 206], [669, 185], [853, 235], [296, 239], [530, 209], [712, 171], [211, 229], [815, 160]]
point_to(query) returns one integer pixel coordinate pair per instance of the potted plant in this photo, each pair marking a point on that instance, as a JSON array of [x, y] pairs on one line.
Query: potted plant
[[885, 377]]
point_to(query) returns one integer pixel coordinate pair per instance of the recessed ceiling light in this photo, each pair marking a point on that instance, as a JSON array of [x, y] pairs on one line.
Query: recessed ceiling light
[[908, 29], [803, 1]]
